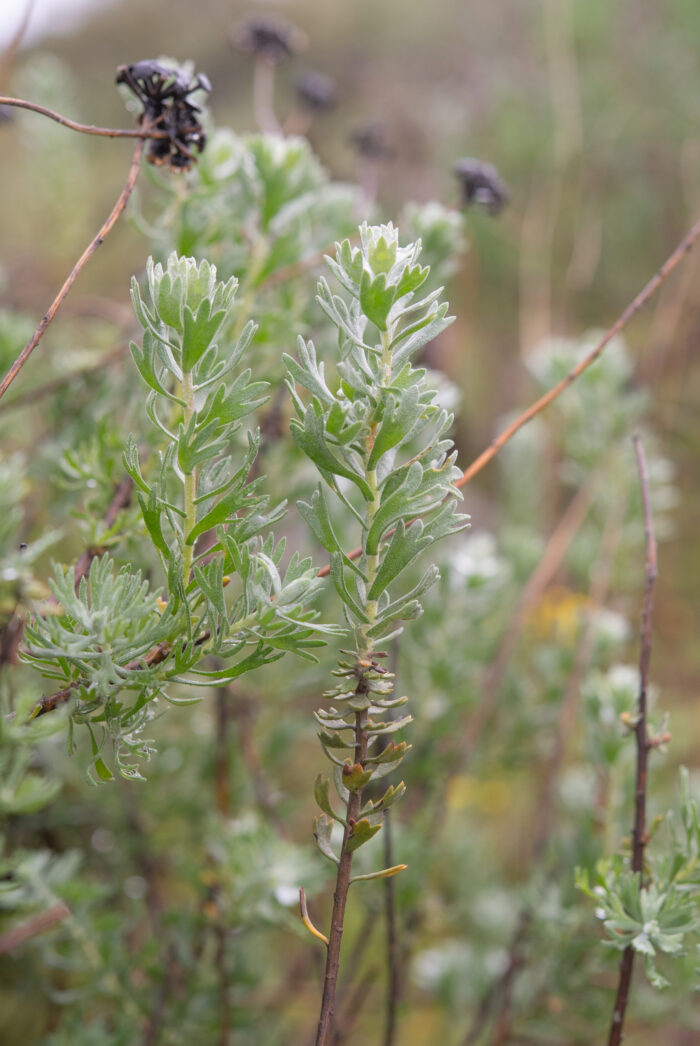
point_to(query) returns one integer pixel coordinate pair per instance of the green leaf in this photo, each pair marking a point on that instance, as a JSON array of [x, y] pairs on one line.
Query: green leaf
[[338, 578], [310, 436], [385, 873], [405, 545], [411, 279], [418, 334], [199, 332], [210, 580], [392, 794], [221, 512], [395, 503], [376, 298], [391, 754], [322, 833], [382, 255], [169, 295], [355, 777], [362, 832], [151, 511], [322, 796], [400, 415]]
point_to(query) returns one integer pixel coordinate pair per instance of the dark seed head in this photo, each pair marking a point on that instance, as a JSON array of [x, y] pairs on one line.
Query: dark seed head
[[271, 38], [481, 185], [164, 93], [315, 91], [370, 141]]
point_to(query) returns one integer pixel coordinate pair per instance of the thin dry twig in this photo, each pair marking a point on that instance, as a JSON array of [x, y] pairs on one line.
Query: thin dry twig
[[103, 132], [38, 924], [539, 405], [393, 951], [393, 988], [77, 269], [155, 656], [340, 894], [639, 836]]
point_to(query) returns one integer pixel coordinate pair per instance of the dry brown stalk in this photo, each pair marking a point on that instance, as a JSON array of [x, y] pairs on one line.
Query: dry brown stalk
[[539, 405], [639, 836], [38, 924], [103, 132], [97, 240]]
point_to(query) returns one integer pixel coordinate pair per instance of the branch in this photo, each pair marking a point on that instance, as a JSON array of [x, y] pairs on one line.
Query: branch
[[77, 269], [536, 408], [103, 132], [38, 924], [393, 988], [639, 836], [340, 895]]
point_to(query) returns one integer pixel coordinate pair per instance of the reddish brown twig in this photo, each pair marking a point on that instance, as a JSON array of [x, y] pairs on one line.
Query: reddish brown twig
[[393, 988], [536, 408], [340, 894], [639, 837], [77, 268], [84, 128], [33, 927]]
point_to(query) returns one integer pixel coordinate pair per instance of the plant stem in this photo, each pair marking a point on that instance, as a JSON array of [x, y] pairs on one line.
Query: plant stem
[[263, 96], [340, 895], [392, 944], [632, 309], [190, 482], [354, 803], [639, 837], [102, 132]]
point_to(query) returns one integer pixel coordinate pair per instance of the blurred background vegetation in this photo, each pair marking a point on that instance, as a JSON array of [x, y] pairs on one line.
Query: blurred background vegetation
[[589, 112]]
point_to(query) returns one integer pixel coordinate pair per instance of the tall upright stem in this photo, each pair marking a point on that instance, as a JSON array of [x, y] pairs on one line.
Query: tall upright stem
[[190, 482], [340, 895], [639, 836], [354, 802]]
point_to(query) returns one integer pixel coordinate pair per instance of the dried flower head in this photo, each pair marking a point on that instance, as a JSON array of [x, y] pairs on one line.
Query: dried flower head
[[481, 185], [273, 39], [315, 91], [164, 93]]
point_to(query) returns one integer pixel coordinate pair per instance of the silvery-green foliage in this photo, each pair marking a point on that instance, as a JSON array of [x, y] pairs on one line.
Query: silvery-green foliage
[[659, 912], [207, 520], [257, 203], [380, 442], [23, 787]]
